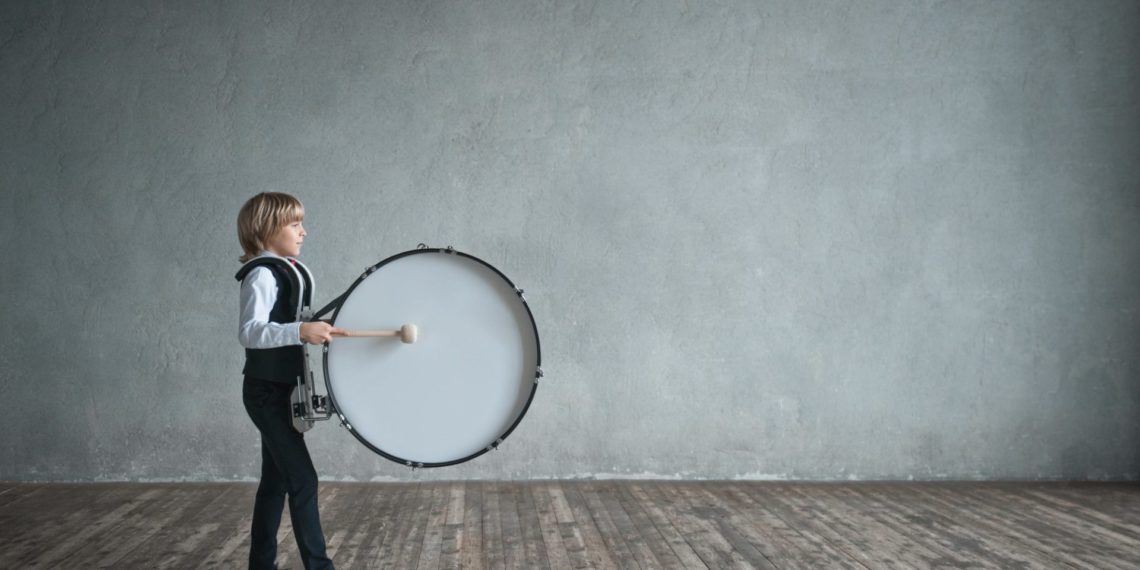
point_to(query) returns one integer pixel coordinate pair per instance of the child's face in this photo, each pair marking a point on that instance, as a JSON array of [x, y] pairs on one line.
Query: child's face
[[287, 242]]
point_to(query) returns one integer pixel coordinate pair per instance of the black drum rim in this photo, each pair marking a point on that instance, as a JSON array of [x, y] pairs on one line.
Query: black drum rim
[[492, 445]]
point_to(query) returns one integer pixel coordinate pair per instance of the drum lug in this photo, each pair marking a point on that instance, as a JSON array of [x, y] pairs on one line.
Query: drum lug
[[422, 245], [537, 374], [450, 250], [495, 446], [415, 465]]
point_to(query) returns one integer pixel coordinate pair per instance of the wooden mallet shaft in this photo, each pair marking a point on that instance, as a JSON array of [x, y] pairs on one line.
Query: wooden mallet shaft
[[407, 333]]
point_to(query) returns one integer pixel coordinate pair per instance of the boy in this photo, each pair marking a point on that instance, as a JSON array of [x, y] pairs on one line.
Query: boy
[[273, 285]]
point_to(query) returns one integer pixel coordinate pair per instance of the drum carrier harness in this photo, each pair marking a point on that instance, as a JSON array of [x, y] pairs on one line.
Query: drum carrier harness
[[286, 361]]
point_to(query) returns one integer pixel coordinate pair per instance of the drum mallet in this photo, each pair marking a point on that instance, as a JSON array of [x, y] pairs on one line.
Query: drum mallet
[[407, 333]]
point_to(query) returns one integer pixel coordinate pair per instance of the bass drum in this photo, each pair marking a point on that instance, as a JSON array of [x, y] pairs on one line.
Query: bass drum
[[466, 381]]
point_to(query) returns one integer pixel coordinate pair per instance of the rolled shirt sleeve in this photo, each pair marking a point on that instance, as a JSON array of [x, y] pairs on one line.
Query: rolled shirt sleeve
[[258, 294]]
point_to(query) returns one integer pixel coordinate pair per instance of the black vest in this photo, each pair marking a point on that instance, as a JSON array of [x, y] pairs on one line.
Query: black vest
[[284, 363]]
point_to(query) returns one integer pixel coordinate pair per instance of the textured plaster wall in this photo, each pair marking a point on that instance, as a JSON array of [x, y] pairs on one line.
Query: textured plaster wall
[[783, 239]]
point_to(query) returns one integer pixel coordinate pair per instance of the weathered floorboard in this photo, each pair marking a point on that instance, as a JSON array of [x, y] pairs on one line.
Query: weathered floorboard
[[588, 524]]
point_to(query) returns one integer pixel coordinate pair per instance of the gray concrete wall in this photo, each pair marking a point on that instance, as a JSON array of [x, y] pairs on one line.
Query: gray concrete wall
[[784, 239]]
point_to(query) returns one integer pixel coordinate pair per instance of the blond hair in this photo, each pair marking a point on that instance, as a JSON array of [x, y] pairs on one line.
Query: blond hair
[[261, 217]]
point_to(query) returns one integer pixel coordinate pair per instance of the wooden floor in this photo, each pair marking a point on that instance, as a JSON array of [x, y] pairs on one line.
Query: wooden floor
[[588, 524]]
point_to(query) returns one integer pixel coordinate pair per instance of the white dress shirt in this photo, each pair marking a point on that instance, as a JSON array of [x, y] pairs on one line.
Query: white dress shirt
[[258, 294]]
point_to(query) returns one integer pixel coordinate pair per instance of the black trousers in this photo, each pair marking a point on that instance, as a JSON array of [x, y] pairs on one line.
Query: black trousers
[[286, 471]]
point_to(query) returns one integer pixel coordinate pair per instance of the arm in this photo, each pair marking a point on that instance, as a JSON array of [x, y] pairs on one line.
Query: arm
[[258, 293]]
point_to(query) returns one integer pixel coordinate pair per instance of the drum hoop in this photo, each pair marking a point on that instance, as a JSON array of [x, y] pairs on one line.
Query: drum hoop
[[493, 445]]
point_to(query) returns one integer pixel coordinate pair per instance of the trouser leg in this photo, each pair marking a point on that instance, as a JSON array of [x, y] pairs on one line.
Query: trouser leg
[[301, 482], [289, 454], [267, 507]]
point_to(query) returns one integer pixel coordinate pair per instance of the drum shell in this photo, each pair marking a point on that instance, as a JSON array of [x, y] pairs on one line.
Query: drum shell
[[495, 405]]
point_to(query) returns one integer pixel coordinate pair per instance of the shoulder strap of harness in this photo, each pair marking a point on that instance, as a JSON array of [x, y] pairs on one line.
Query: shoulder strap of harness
[[295, 275]]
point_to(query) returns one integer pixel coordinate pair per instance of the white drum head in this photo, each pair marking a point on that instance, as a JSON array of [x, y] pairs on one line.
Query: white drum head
[[465, 382]]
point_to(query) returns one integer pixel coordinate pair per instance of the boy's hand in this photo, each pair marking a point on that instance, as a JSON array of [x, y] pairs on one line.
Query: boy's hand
[[317, 332]]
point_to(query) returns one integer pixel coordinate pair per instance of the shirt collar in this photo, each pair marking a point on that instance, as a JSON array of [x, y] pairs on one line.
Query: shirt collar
[[267, 253]]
